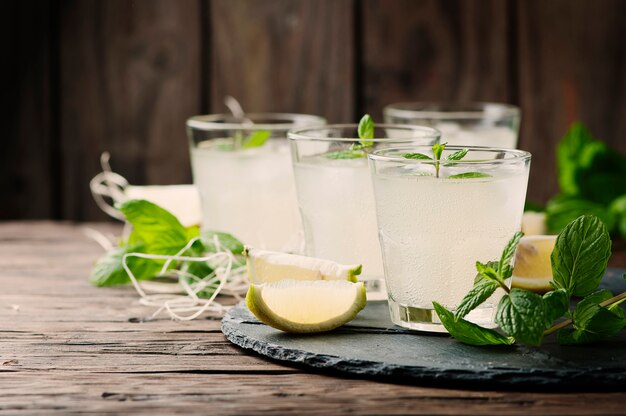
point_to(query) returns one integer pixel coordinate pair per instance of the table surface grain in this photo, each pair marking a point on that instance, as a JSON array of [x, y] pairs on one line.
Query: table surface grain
[[67, 347]]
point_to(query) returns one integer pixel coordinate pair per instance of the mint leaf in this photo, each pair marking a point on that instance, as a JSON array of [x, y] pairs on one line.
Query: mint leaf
[[346, 154], [418, 156], [587, 168], [561, 210], [487, 271], [366, 128], [580, 256], [227, 241], [468, 332], [256, 139], [108, 270], [477, 295], [468, 175], [557, 304], [593, 322], [521, 314], [618, 209], [458, 155], [438, 150], [505, 270], [155, 227]]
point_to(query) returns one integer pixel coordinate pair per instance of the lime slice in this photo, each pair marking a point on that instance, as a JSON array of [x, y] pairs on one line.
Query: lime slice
[[304, 306], [271, 266], [533, 270]]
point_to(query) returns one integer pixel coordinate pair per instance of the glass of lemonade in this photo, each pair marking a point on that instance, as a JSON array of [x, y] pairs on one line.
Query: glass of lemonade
[[247, 189], [471, 124], [433, 228], [335, 193]]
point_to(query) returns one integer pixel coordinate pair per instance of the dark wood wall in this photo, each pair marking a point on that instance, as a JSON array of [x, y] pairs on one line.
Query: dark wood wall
[[83, 76]]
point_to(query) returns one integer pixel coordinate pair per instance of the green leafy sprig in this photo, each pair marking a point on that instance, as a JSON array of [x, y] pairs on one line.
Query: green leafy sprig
[[255, 139], [437, 152], [579, 261], [358, 150], [157, 231], [592, 180]]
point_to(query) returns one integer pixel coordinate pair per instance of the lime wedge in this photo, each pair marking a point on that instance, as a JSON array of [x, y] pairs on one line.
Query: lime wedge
[[271, 266], [304, 306], [533, 269]]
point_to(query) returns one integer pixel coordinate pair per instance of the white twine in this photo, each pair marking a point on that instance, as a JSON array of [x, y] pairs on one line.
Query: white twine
[[108, 184], [223, 280]]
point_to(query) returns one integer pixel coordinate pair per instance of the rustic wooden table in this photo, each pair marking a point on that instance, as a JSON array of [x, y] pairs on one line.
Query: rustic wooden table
[[69, 348]]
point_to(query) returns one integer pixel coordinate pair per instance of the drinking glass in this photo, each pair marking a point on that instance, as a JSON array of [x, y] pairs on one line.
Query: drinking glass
[[335, 195], [247, 189], [465, 124], [436, 220]]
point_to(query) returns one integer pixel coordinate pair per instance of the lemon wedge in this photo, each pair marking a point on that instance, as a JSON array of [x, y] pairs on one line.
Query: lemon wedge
[[271, 266], [305, 306], [533, 270]]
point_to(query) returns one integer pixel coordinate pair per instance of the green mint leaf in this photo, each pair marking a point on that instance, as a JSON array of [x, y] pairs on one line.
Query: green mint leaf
[[580, 256], [557, 305], [227, 241], [488, 272], [477, 295], [418, 156], [458, 155], [505, 270], [108, 270], [366, 128], [469, 175], [587, 168], [593, 322], [438, 150], [346, 154], [561, 210], [468, 332], [155, 227], [256, 139], [192, 232], [521, 314]]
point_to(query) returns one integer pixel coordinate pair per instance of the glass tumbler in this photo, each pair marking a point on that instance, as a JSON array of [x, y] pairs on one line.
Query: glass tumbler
[[464, 124], [242, 168], [436, 220], [335, 195]]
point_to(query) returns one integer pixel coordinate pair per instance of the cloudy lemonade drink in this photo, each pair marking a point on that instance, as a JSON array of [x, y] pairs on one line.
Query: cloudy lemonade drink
[[434, 226], [243, 171], [335, 194], [463, 124]]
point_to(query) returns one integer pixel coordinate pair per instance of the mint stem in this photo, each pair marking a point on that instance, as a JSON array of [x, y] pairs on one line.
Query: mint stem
[[567, 322]]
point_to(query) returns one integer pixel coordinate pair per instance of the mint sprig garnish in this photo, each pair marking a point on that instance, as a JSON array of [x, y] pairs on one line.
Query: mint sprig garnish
[[256, 139], [365, 130], [157, 231], [437, 150], [579, 261]]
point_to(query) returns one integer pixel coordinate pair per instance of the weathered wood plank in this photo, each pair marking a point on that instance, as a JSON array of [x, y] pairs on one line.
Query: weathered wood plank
[[284, 55], [430, 50], [571, 67], [71, 393], [130, 76]]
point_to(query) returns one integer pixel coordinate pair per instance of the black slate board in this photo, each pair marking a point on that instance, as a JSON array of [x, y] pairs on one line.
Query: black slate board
[[372, 346]]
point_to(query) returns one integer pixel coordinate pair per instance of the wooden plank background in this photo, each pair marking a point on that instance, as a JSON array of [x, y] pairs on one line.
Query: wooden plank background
[[80, 77]]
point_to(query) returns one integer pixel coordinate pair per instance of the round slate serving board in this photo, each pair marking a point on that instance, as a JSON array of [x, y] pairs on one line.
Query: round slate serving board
[[372, 346]]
